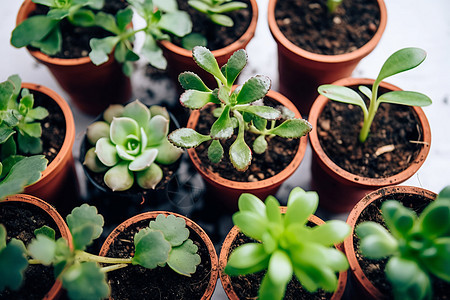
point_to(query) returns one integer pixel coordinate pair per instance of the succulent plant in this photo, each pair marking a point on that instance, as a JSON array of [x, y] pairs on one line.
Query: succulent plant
[[215, 9], [129, 144]]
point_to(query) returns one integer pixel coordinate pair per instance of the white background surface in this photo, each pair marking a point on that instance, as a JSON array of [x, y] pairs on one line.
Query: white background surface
[[418, 23]]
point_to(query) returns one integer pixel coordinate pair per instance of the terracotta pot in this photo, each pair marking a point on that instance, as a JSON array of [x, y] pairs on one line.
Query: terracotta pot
[[180, 59], [91, 88], [225, 253], [58, 183], [189, 223], [365, 287], [228, 191], [56, 289], [339, 190], [301, 72]]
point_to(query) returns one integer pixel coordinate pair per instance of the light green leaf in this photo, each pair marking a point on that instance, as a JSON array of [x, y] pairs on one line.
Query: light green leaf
[[43, 249], [405, 98], [150, 177], [121, 129], [293, 128], [46, 231], [234, 66], [222, 20], [435, 219], [176, 22], [187, 138], [260, 144], [92, 162], [300, 205], [151, 248], [144, 160], [166, 5], [439, 264], [215, 151], [366, 91], [251, 224], [96, 131], [191, 81], [85, 281], [335, 259], [206, 60], [306, 280], [342, 94], [51, 43], [194, 99], [137, 111], [167, 153], [332, 232], [82, 217], [38, 113], [119, 177], [265, 112], [113, 111], [254, 89], [107, 22], [228, 7], [2, 237], [32, 29], [199, 5], [223, 127], [250, 203], [101, 48], [31, 129], [240, 154], [158, 128], [269, 290], [173, 228], [280, 268], [106, 152], [184, 259], [398, 218], [273, 210], [13, 263], [246, 259], [151, 52], [124, 18], [376, 242]]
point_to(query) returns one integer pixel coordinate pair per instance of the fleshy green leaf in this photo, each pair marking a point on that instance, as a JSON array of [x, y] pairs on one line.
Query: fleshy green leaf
[[191, 81], [92, 162], [46, 231], [144, 160], [246, 259], [51, 43], [228, 7], [234, 66], [251, 224], [113, 111], [301, 205], [119, 177], [254, 89], [250, 203], [187, 138], [223, 127], [13, 263], [435, 219], [280, 268], [335, 259], [366, 91], [85, 281], [137, 111], [269, 290], [151, 248], [439, 264], [260, 144], [121, 129], [107, 22], [206, 60], [342, 94], [97, 130], [166, 5], [405, 98], [106, 152], [158, 128], [194, 99], [184, 259], [124, 18], [403, 60], [173, 228], [376, 241], [332, 232], [222, 20], [240, 154], [82, 217], [149, 178], [176, 22], [215, 151], [293, 128], [398, 218], [265, 112], [83, 17], [273, 210], [167, 153]]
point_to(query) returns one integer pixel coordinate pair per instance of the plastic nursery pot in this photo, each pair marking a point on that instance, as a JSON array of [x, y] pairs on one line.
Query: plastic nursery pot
[[301, 72], [364, 286], [225, 253], [180, 59], [338, 189], [91, 88], [58, 183], [228, 191], [109, 242], [47, 209]]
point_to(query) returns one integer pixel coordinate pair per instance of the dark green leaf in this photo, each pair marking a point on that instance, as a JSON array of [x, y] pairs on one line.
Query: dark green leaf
[[6, 92], [85, 224], [58, 13], [9, 161], [13, 263], [193, 39], [444, 194], [439, 264], [151, 248], [403, 60], [29, 144], [215, 152], [45, 230], [246, 259], [173, 228], [48, 3], [293, 128], [240, 154], [32, 29], [88, 274], [234, 66], [194, 99], [2, 237], [222, 127], [107, 22], [51, 43], [5, 132], [124, 18], [187, 138], [83, 18], [254, 89], [151, 52], [191, 81], [405, 98]]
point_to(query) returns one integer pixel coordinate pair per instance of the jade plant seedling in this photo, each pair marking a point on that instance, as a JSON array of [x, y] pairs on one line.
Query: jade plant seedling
[[417, 248], [160, 17], [236, 108], [401, 61], [20, 134], [129, 145], [288, 246], [216, 9], [164, 242]]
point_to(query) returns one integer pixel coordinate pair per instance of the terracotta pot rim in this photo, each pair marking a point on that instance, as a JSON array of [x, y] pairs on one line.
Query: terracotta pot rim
[[349, 250], [59, 221], [224, 254], [69, 137], [236, 45], [358, 53], [345, 176], [191, 224], [248, 186]]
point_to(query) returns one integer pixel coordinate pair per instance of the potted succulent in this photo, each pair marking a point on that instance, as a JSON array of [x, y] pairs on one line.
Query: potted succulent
[[163, 282], [318, 44], [399, 244], [35, 120], [20, 217], [349, 159], [274, 245], [234, 118]]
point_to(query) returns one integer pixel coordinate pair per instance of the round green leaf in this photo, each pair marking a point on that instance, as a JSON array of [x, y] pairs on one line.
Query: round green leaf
[[173, 228], [240, 155], [119, 177], [151, 248], [85, 281], [184, 259]]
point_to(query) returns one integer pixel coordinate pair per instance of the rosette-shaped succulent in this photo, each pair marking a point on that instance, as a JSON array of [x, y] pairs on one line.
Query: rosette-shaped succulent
[[129, 144]]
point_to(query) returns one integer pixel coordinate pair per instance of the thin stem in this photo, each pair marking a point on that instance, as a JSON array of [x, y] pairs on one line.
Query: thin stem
[[113, 268], [34, 262], [368, 119], [241, 122], [84, 256]]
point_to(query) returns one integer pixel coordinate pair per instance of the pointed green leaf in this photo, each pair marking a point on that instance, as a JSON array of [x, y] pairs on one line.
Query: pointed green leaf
[[228, 7], [376, 242], [151, 248], [222, 20], [405, 98], [191, 81], [184, 259], [215, 151], [254, 89], [240, 155], [158, 128], [173, 228], [137, 111], [246, 259], [332, 232], [234, 66], [85, 281], [121, 128], [251, 224], [149, 178], [187, 138], [342, 94], [300, 206], [403, 60], [293, 128], [398, 218], [13, 263], [206, 60], [280, 268], [144, 160], [273, 210], [250, 203], [119, 177], [223, 127], [305, 279], [265, 112], [366, 91], [194, 99]]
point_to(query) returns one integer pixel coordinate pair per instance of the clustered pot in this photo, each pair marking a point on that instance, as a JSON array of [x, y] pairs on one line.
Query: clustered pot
[[301, 72], [91, 88], [226, 250], [364, 286], [180, 59], [338, 189], [227, 191], [148, 216], [44, 208]]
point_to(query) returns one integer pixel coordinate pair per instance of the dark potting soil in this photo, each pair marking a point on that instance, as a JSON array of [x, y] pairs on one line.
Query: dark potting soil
[[20, 221], [136, 282], [374, 269], [75, 39], [308, 24], [394, 133], [246, 287], [276, 158], [218, 36]]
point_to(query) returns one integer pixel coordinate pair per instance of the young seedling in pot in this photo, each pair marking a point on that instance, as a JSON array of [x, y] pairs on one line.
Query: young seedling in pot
[[332, 5], [237, 108], [287, 245], [20, 134], [417, 248], [402, 60], [129, 145], [216, 9], [164, 242]]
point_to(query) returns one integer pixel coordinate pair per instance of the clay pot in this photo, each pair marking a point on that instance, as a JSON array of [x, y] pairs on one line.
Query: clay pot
[[190, 224], [180, 59], [364, 286], [58, 183], [56, 289], [338, 189], [225, 253], [228, 191], [91, 88], [301, 72]]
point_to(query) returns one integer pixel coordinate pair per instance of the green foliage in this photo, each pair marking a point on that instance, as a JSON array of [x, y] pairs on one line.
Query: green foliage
[[417, 247], [401, 61], [131, 146], [288, 246], [165, 241], [236, 106], [332, 5], [216, 9]]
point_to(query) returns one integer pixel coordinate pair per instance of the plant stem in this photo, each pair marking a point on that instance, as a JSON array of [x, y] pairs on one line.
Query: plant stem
[[373, 106], [113, 268], [84, 256]]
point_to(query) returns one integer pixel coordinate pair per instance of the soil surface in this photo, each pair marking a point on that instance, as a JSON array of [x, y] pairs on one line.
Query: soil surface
[[20, 220], [374, 269], [276, 158], [136, 282], [394, 140], [310, 26], [75, 39], [218, 36], [246, 287]]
